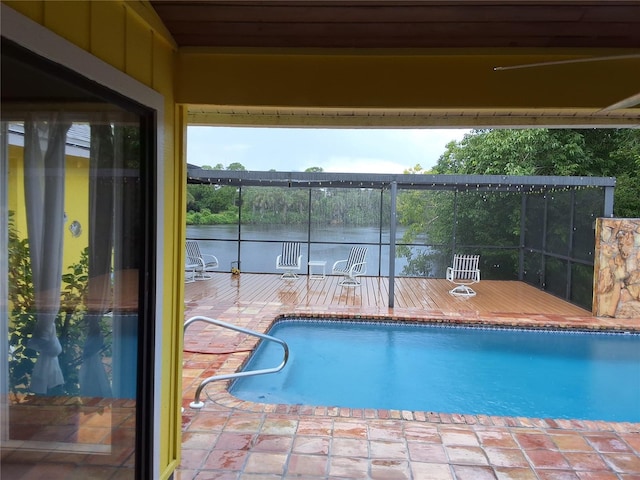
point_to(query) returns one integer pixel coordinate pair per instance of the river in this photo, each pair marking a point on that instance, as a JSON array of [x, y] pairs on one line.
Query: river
[[261, 244]]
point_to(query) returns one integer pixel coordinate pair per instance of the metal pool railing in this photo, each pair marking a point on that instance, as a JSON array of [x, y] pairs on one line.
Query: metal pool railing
[[197, 403]]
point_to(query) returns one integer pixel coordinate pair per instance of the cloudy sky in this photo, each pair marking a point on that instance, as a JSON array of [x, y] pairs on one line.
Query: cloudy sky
[[335, 150]]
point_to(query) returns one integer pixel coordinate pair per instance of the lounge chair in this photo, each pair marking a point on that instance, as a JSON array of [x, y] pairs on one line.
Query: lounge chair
[[463, 273], [351, 268], [204, 263], [289, 260]]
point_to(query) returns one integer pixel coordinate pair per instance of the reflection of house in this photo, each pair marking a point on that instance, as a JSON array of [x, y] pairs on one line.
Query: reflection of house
[[77, 143], [76, 191], [137, 57]]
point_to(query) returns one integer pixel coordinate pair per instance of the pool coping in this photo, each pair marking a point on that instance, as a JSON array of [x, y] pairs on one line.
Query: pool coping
[[219, 394]]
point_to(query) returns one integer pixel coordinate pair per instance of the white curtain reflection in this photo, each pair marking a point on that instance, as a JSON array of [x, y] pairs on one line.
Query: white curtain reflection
[[93, 377], [44, 152]]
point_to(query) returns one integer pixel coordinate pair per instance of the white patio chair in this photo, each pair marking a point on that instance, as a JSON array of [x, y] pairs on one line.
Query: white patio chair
[[204, 262], [190, 272], [463, 273], [351, 268], [289, 260]]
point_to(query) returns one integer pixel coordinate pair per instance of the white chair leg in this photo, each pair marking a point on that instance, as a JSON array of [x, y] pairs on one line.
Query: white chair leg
[[289, 275], [349, 282], [463, 291], [203, 275]]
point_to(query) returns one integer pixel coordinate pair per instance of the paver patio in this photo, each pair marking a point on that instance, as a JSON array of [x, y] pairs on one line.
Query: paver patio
[[235, 439]]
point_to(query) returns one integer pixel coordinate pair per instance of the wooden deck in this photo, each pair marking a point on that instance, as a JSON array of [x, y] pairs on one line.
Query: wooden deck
[[494, 298], [266, 296]]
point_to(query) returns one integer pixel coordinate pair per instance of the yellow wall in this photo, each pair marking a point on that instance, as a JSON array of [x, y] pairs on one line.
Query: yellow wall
[[76, 201], [128, 36], [371, 79], [15, 190]]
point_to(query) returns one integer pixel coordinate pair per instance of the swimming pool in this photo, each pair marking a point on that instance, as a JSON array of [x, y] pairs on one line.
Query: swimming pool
[[450, 369]]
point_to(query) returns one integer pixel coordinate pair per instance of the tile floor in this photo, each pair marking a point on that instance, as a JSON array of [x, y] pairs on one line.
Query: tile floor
[[234, 439]]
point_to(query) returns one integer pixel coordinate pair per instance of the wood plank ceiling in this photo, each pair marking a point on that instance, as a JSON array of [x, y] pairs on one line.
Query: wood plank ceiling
[[402, 24], [583, 27]]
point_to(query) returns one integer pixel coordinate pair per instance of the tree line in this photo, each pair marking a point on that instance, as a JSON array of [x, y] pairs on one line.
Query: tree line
[[563, 152], [491, 224]]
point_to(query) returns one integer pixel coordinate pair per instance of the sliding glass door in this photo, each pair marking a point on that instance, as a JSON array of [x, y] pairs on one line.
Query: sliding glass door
[[77, 268]]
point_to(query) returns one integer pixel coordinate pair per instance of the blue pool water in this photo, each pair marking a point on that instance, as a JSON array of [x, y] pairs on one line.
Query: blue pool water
[[467, 370]]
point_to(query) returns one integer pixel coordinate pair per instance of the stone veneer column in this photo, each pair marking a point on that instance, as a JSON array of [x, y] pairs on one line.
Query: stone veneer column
[[616, 280]]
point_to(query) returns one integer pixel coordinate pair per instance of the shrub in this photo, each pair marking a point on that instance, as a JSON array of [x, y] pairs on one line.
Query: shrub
[[71, 325]]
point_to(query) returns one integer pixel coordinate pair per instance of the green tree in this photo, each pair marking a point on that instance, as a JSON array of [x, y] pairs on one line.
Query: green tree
[[236, 166], [495, 219], [624, 159], [212, 204], [214, 198], [274, 205], [587, 152], [515, 152]]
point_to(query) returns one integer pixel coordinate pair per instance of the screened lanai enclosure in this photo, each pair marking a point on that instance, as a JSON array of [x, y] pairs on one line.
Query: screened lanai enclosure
[[540, 230]]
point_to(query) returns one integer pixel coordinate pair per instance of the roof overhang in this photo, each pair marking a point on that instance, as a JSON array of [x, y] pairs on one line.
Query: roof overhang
[[511, 183], [406, 63]]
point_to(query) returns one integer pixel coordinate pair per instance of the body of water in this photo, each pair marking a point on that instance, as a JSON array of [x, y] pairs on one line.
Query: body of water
[[261, 244], [465, 370]]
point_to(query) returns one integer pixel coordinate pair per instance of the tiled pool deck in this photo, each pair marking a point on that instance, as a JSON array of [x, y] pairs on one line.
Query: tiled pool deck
[[234, 439]]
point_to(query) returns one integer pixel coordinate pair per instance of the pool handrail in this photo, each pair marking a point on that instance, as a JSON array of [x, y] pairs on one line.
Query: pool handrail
[[197, 403]]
